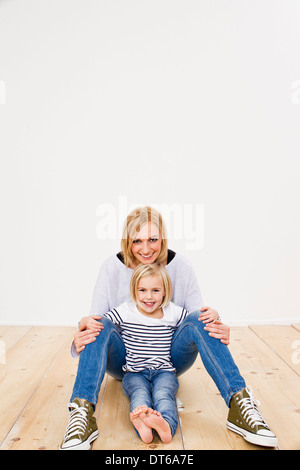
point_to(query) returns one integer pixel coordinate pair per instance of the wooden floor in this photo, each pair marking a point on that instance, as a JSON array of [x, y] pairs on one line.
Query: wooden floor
[[37, 375]]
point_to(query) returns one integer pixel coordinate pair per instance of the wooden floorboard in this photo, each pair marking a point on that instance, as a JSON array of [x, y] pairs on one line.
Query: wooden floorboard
[[36, 387], [274, 381], [284, 341], [38, 373]]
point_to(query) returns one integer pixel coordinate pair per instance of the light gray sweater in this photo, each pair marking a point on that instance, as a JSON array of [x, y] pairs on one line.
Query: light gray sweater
[[112, 285]]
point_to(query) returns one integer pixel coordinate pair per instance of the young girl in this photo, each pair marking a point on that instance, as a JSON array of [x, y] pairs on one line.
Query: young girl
[[147, 325]]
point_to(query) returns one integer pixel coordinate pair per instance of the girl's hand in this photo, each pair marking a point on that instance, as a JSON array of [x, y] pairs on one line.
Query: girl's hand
[[88, 330]]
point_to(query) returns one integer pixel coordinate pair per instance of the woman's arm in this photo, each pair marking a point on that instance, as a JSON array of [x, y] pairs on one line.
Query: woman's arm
[[215, 328], [89, 327]]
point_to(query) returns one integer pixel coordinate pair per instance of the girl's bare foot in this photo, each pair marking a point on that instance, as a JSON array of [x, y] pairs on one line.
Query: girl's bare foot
[[153, 419], [144, 431]]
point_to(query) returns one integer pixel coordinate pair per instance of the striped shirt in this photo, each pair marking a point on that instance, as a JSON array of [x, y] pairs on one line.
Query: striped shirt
[[147, 340]]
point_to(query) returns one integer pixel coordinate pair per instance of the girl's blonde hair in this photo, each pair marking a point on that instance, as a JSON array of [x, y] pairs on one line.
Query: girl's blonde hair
[[135, 220], [151, 270]]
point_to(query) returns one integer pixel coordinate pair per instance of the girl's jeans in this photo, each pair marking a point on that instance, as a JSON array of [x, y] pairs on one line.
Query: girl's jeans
[[156, 389], [107, 354]]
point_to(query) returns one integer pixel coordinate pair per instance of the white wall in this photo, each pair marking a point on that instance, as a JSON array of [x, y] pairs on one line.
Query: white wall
[[155, 102]]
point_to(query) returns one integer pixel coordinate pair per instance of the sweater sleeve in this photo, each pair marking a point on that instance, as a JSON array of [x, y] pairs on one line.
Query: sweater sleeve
[[100, 303], [193, 299]]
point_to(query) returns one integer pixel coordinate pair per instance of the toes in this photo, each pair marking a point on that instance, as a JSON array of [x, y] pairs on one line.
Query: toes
[[140, 409]]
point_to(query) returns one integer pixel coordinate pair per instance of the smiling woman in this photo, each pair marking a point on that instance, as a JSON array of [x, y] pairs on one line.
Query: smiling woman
[[147, 247], [144, 238]]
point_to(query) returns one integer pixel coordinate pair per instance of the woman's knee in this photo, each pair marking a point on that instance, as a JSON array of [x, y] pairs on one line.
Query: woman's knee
[[193, 315], [109, 330], [193, 318], [107, 323]]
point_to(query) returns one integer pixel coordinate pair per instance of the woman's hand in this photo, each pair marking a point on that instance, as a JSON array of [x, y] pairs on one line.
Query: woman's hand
[[88, 330], [215, 327], [208, 315], [218, 330]]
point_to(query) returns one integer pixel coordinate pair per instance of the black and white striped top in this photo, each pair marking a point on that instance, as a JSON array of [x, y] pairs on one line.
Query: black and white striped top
[[147, 340]]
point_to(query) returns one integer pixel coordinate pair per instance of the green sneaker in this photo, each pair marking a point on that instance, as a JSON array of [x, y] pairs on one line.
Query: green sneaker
[[82, 429], [245, 419]]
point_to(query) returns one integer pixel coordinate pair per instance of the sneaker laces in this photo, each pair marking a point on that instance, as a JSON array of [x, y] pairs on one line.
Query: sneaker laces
[[250, 412], [77, 422]]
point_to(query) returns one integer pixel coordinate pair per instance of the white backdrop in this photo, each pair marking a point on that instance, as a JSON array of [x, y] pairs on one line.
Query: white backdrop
[[191, 105]]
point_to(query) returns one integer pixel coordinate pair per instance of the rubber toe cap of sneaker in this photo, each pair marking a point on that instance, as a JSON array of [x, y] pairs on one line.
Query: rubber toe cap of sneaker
[[70, 444]]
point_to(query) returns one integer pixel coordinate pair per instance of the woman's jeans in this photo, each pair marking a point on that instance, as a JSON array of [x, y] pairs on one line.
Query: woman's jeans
[[156, 389], [107, 354]]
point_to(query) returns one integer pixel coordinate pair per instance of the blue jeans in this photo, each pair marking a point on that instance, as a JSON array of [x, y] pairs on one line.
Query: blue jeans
[[156, 389], [107, 354]]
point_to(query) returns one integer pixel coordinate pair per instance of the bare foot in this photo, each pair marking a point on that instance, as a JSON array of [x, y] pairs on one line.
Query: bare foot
[[153, 419], [144, 431]]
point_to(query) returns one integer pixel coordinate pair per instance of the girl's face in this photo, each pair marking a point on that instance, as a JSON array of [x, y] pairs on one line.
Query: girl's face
[[150, 295], [147, 244]]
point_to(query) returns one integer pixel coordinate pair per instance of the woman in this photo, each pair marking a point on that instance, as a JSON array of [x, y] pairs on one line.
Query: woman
[[144, 241], [146, 249]]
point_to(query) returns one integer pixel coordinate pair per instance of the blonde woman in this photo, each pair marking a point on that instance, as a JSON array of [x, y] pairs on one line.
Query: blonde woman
[[144, 240], [102, 349]]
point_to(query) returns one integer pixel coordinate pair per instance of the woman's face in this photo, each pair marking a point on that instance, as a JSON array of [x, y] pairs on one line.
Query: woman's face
[[146, 245]]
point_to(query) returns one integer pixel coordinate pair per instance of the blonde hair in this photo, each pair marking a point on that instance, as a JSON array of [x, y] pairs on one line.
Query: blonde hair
[[135, 220], [151, 270]]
